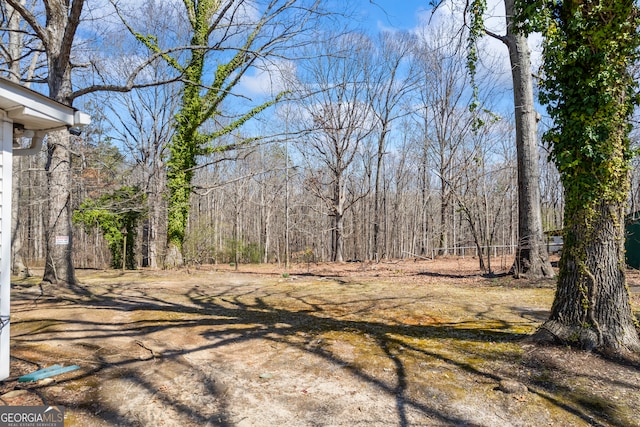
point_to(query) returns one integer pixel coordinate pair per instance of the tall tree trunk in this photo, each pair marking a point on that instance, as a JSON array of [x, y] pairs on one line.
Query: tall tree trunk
[[532, 259], [58, 230], [377, 217], [338, 239], [424, 216], [591, 306], [591, 96], [157, 215], [151, 238], [443, 241], [424, 190], [338, 220], [18, 267], [63, 19], [16, 42]]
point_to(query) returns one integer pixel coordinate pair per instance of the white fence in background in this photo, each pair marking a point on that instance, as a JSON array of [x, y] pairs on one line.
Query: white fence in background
[[495, 251]]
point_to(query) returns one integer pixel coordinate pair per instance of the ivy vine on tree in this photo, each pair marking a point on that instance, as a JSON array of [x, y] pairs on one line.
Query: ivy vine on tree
[[531, 260], [586, 85], [117, 215], [202, 100], [476, 11]]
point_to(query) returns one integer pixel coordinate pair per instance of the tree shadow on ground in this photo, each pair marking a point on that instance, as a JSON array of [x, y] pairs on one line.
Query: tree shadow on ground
[[240, 313], [448, 275]]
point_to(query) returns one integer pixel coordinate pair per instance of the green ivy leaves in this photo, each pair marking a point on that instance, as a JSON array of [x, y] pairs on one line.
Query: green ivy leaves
[[476, 11], [587, 88], [116, 214]]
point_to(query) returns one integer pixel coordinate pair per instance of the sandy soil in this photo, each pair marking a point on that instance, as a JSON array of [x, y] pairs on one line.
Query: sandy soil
[[389, 344]]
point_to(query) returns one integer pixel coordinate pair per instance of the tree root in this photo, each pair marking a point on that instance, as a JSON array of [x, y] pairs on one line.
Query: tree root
[[553, 332]]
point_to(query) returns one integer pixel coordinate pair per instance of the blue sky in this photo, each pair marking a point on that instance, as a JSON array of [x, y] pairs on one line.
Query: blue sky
[[397, 14], [409, 14], [374, 15]]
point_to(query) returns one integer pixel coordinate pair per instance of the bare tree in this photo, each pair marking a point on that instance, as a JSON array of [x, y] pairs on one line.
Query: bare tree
[[57, 36], [531, 258], [11, 54], [54, 24], [143, 122], [234, 38], [444, 103], [390, 85], [487, 185], [341, 120]]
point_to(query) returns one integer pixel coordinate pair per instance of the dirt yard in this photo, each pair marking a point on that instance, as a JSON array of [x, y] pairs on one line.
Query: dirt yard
[[389, 344]]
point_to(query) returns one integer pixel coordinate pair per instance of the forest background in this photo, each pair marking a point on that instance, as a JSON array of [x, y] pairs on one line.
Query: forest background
[[393, 150]]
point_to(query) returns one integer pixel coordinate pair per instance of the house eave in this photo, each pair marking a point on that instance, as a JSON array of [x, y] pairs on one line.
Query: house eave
[[34, 111]]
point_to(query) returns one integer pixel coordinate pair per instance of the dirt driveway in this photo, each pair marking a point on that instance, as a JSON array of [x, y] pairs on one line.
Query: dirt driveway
[[389, 344]]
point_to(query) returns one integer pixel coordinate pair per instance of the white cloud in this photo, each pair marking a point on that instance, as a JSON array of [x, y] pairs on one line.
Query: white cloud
[[492, 50], [268, 79]]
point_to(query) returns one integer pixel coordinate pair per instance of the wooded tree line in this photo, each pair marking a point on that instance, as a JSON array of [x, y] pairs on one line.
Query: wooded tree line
[[248, 131], [373, 155], [412, 177]]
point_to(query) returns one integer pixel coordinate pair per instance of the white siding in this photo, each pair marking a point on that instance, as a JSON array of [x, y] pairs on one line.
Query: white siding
[[5, 243]]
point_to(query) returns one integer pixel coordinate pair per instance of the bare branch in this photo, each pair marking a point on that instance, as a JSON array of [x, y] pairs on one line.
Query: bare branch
[[31, 20]]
